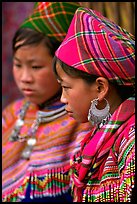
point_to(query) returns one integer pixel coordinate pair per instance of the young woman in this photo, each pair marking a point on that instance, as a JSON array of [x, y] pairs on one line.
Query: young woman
[[38, 135], [95, 65]]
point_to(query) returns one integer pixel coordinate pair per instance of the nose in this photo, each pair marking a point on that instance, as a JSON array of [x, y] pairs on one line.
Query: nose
[[63, 98], [26, 76]]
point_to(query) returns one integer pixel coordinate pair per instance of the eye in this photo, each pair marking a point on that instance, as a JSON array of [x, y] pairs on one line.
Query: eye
[[17, 65], [65, 87], [37, 67]]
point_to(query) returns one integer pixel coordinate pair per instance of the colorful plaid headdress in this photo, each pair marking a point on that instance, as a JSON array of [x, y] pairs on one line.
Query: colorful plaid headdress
[[51, 18], [96, 45]]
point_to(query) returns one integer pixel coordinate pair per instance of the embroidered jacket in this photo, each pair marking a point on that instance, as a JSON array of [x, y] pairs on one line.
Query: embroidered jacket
[[56, 141], [104, 169]]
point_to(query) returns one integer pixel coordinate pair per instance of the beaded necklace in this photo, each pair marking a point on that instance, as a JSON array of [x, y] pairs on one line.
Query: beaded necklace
[[41, 117]]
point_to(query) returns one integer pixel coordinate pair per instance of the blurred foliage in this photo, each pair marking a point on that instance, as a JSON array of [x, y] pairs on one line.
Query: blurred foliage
[[122, 13]]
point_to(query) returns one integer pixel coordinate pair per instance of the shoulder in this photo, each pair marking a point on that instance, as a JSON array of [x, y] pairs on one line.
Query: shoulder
[[126, 146], [10, 113], [126, 131], [14, 106], [125, 142]]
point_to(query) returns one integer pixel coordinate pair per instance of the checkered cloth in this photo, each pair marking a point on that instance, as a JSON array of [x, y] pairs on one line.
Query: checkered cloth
[[51, 18], [96, 45]]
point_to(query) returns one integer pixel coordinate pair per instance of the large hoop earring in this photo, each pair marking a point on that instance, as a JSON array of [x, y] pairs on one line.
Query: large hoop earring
[[96, 116]]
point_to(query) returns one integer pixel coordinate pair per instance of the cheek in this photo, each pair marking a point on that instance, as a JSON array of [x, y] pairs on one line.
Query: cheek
[[46, 78], [74, 99], [47, 82], [16, 74], [80, 103], [81, 106]]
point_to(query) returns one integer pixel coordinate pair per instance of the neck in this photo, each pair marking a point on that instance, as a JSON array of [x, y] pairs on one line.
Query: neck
[[114, 100], [50, 101]]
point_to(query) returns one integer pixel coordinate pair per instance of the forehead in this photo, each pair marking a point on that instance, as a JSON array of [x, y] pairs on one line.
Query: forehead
[[31, 46], [65, 78], [61, 75], [35, 52]]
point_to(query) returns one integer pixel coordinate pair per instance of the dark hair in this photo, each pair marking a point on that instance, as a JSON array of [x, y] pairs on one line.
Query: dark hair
[[30, 37], [123, 91], [73, 72]]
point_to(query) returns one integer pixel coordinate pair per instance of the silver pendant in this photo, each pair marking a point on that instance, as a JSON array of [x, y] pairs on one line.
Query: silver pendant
[[19, 122], [14, 137], [26, 153], [31, 141]]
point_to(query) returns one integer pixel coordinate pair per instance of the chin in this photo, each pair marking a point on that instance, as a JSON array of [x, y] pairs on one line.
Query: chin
[[33, 100]]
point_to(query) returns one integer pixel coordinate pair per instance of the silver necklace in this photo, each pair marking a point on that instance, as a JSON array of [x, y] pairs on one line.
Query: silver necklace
[[19, 123], [41, 117]]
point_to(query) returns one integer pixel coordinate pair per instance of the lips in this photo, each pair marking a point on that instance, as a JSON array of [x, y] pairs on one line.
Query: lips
[[28, 91], [70, 113]]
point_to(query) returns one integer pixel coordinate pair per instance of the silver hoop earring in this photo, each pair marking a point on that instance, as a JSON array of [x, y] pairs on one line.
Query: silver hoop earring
[[96, 116]]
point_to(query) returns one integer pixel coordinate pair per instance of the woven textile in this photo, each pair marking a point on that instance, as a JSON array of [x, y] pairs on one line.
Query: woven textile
[[56, 141], [51, 18], [104, 169], [98, 46]]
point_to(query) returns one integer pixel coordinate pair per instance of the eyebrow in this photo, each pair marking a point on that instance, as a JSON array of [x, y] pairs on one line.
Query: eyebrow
[[15, 58], [63, 82], [29, 61], [59, 78]]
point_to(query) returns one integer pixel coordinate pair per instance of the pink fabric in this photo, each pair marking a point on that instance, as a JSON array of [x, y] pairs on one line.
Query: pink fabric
[[98, 46], [96, 146]]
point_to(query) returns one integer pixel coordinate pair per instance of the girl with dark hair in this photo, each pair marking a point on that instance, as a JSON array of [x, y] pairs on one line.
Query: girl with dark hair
[[95, 65], [38, 135]]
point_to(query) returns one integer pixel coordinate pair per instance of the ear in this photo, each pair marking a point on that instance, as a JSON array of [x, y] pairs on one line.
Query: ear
[[102, 87]]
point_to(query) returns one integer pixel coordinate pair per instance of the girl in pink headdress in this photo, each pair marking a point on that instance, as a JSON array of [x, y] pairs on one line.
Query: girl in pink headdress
[[38, 137], [95, 65]]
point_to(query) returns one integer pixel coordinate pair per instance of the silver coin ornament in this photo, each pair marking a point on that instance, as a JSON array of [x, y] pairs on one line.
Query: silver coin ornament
[[19, 122], [31, 141]]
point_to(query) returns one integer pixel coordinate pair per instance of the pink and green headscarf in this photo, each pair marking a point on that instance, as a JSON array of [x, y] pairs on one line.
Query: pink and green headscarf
[[51, 18], [98, 46]]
